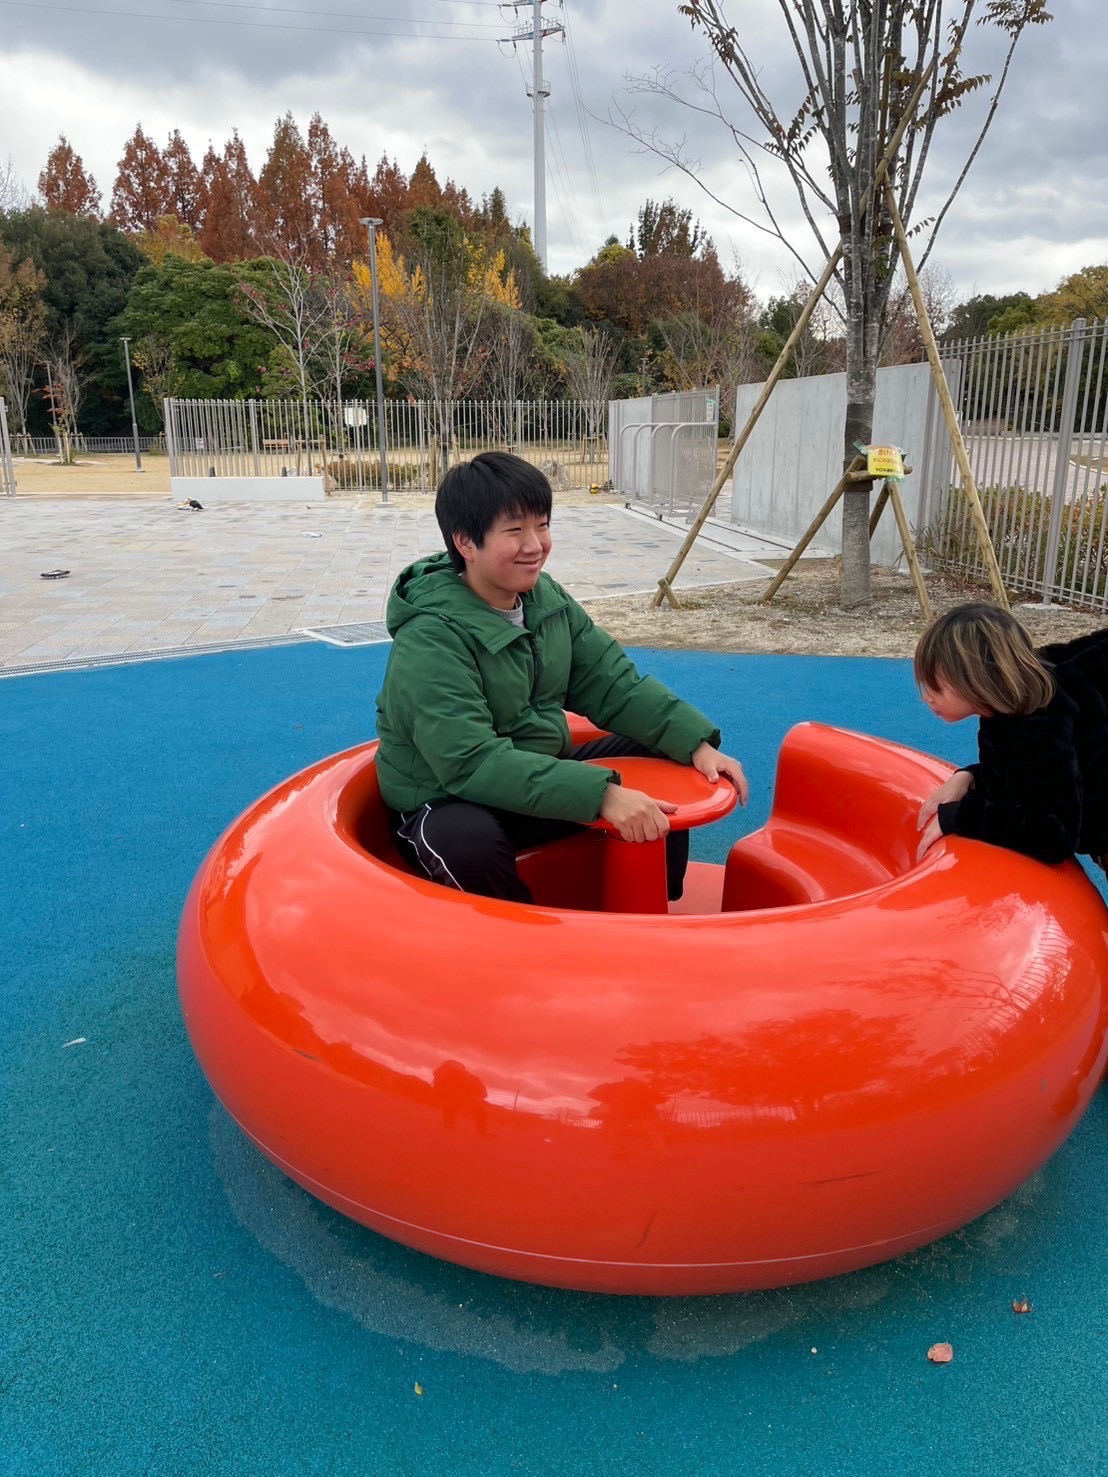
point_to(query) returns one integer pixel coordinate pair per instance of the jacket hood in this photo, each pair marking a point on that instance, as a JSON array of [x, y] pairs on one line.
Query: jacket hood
[[429, 585], [432, 586]]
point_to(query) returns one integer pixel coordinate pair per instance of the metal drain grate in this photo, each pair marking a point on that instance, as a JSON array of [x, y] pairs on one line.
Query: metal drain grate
[[354, 633], [160, 653]]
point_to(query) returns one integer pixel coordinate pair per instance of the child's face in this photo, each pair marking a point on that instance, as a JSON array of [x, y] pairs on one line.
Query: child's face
[[509, 560], [947, 703]]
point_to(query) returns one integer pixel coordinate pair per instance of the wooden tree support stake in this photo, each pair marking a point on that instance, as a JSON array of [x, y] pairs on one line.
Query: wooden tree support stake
[[813, 528], [969, 485], [665, 584], [890, 493]]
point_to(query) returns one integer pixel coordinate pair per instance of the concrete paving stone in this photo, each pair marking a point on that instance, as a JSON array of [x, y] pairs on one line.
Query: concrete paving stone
[[153, 575]]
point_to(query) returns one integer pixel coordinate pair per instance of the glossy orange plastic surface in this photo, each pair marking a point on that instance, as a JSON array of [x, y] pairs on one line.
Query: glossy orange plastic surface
[[634, 873], [858, 1055]]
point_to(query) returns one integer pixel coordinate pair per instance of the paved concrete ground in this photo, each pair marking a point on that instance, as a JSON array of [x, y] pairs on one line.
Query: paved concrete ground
[[146, 575]]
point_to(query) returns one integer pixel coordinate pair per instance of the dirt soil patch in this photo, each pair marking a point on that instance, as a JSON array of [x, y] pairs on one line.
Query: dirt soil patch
[[805, 616], [93, 476]]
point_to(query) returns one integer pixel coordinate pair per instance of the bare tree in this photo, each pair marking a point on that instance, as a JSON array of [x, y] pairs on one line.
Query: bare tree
[[157, 360], [14, 194], [345, 346], [511, 340], [875, 80], [65, 388], [295, 307], [901, 338], [589, 374], [22, 327]]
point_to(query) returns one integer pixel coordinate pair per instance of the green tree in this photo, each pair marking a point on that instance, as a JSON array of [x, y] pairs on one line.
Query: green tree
[[190, 308], [974, 317], [1083, 294], [88, 267]]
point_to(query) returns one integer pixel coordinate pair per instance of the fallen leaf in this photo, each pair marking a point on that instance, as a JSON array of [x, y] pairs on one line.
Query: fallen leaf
[[77, 1041], [1021, 1305], [419, 1389], [940, 1353]]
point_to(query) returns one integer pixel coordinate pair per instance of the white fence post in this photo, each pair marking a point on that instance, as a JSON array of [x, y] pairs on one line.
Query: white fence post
[[7, 469], [1075, 353]]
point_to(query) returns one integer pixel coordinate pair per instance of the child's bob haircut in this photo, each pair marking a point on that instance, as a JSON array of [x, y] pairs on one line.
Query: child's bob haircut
[[987, 657], [473, 495]]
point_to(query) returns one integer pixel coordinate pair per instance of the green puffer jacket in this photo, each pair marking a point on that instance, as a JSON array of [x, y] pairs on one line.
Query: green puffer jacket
[[472, 705]]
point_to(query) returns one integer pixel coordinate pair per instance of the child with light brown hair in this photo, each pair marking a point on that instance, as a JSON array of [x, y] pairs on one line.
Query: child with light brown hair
[[1040, 785]]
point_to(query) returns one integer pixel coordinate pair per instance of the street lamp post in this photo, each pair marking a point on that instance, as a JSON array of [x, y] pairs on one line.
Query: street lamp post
[[371, 222], [126, 342]]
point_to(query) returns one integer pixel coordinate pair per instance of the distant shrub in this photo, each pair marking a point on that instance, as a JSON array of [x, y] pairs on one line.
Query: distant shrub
[[354, 474], [1018, 522]]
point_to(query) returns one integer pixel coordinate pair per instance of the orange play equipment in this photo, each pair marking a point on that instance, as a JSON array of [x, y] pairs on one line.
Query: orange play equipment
[[828, 1055]]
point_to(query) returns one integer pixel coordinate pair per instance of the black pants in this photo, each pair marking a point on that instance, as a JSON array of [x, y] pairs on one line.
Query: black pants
[[473, 847]]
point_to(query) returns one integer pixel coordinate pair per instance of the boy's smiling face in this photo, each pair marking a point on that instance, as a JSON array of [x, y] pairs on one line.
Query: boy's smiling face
[[509, 560]]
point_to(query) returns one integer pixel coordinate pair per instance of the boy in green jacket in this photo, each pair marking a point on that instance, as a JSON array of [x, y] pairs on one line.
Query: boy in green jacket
[[475, 759]]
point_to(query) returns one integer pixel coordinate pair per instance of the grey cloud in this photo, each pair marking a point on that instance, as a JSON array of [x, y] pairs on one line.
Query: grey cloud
[[1036, 180]]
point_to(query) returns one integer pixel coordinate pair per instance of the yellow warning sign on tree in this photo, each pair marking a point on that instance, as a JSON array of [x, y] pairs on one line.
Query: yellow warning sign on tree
[[885, 461]]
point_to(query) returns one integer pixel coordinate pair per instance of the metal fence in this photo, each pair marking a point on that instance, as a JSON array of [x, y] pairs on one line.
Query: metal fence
[[1033, 414], [7, 471], [339, 439], [663, 449], [26, 445]]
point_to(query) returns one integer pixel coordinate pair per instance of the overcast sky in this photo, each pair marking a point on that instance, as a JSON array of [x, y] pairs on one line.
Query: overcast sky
[[404, 76]]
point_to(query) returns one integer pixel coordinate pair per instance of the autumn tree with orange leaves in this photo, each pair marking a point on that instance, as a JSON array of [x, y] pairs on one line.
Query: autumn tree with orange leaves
[[141, 195], [230, 229], [64, 184]]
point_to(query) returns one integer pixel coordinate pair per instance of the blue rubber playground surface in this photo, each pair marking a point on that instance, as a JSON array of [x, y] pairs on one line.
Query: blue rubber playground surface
[[173, 1305]]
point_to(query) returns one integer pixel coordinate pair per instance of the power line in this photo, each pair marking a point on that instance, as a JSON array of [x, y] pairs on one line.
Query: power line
[[339, 14], [562, 176], [192, 20], [582, 121]]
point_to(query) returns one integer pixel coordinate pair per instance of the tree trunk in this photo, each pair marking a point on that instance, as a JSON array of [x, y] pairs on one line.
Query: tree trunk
[[861, 382]]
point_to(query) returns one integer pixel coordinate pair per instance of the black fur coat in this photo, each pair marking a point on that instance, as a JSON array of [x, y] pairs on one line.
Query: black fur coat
[[1041, 782]]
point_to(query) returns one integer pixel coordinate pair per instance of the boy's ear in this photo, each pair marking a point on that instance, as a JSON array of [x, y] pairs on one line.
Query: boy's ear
[[464, 545]]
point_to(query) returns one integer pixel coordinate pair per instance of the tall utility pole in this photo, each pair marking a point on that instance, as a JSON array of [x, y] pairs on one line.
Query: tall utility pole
[[540, 28]]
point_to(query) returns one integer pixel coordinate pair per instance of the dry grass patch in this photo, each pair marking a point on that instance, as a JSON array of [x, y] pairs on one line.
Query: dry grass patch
[[805, 617]]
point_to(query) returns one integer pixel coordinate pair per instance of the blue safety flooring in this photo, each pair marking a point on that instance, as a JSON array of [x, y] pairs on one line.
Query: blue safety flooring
[[174, 1305]]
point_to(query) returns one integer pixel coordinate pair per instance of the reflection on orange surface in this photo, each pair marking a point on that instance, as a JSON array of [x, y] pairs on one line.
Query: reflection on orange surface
[[686, 1103]]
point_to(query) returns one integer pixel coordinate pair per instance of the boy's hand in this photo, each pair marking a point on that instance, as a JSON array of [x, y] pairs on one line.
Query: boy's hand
[[932, 833], [711, 764], [957, 787], [635, 815]]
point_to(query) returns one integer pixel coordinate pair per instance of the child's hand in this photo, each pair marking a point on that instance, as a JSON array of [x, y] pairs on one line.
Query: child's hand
[[957, 787], [711, 764], [932, 833], [635, 815]]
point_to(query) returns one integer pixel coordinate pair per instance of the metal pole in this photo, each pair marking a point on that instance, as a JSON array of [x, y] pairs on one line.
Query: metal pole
[[371, 222], [540, 138], [126, 342]]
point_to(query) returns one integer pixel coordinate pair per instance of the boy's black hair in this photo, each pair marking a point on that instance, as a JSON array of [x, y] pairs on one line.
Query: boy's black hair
[[473, 495]]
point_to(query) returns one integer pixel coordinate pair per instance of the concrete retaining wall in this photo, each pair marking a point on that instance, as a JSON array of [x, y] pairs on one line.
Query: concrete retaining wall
[[249, 489]]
